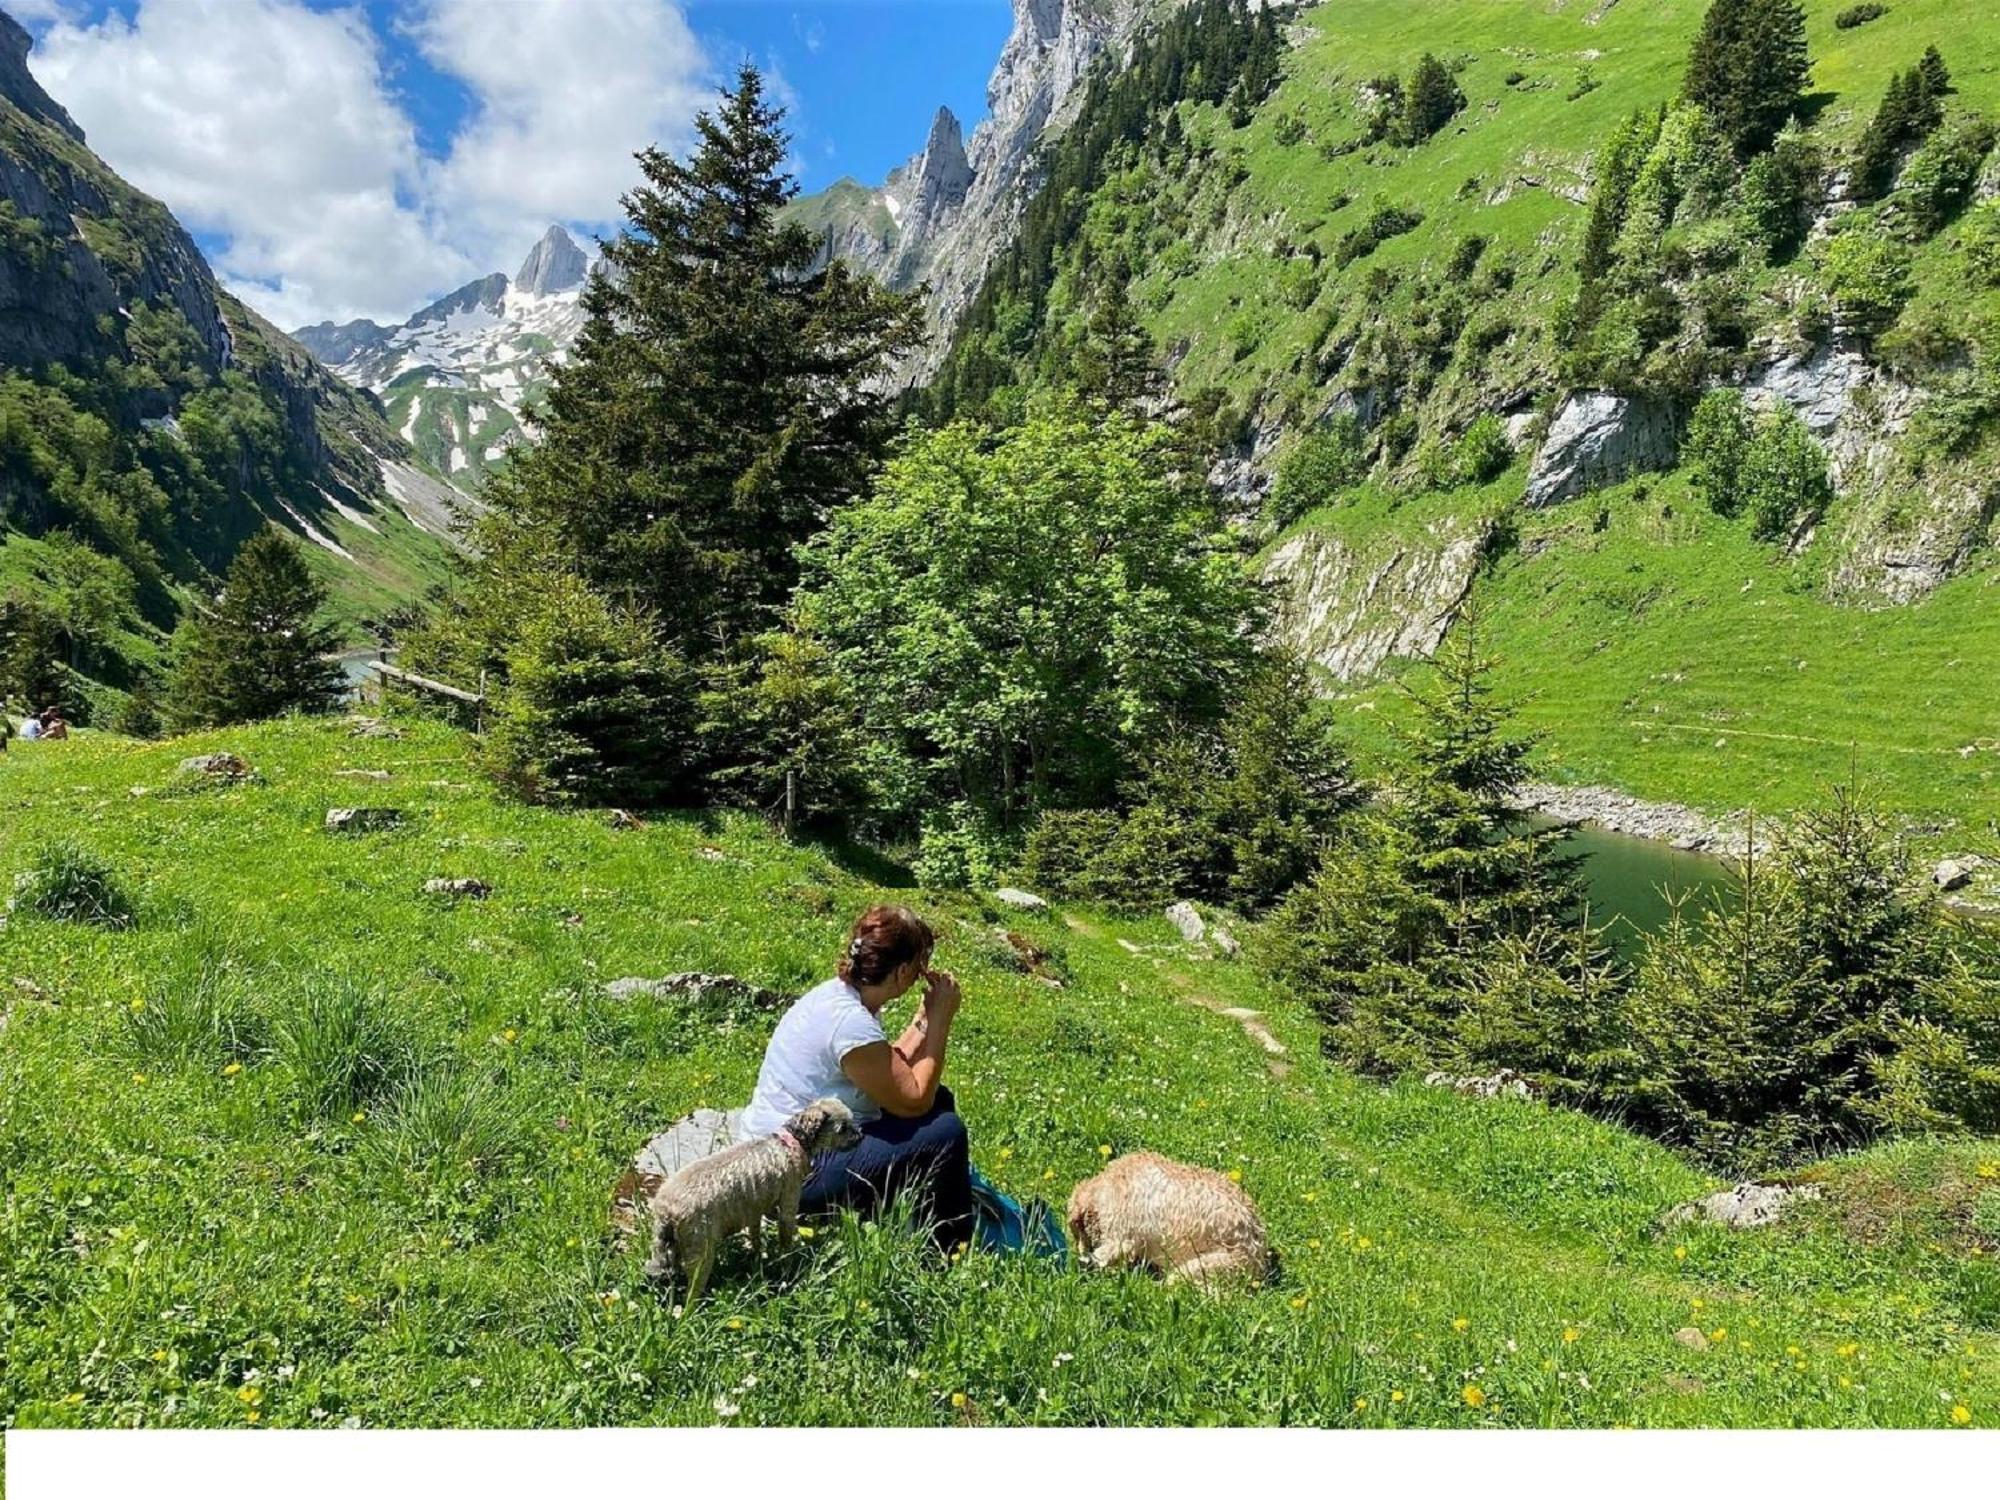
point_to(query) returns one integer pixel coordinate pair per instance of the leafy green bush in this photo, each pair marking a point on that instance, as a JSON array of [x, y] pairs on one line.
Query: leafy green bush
[[1718, 437], [1979, 234], [1868, 275], [1783, 482], [1940, 178], [1481, 452], [67, 883], [1326, 460], [957, 849], [1061, 848]]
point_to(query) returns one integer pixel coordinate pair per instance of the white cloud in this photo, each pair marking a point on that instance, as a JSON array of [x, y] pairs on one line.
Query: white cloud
[[272, 128], [566, 92]]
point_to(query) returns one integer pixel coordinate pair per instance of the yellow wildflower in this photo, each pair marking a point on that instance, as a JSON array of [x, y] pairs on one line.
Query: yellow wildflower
[[1361, 1403], [232, 1070], [1474, 1396], [1006, 1153], [1104, 1151], [159, 1356], [1847, 1351], [250, 1395], [1960, 1415], [360, 1115], [138, 1077], [1235, 1174], [1049, 1175], [958, 1398], [253, 1417], [1680, 1252], [1986, 1168], [1571, 1335], [805, 1231], [1364, 1243], [1459, 1325], [509, 1034], [1312, 1244], [1396, 1396], [733, 1323]]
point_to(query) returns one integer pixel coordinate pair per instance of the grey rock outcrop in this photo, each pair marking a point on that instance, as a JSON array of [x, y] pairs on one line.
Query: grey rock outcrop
[[463, 887], [1956, 873], [722, 993], [220, 766], [964, 202], [1748, 1205], [17, 84], [1505, 1084], [1019, 899], [1599, 438], [1349, 607], [362, 819], [1187, 921], [1666, 822], [556, 264]]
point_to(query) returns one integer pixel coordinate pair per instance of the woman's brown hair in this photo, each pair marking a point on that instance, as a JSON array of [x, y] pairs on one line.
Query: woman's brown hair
[[882, 940]]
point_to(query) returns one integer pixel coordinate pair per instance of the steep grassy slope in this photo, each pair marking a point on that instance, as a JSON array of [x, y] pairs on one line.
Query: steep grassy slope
[[1254, 269], [220, 1213]]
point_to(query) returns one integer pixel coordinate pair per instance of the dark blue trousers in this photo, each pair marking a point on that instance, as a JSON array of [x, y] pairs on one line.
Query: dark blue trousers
[[928, 1157]]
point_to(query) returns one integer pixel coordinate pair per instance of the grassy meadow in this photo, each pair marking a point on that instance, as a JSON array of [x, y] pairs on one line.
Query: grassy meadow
[[302, 1146]]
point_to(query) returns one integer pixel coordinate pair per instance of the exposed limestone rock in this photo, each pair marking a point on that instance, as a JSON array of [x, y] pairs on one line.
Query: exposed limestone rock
[[1693, 1338], [1348, 607], [1667, 822], [1505, 1084], [1187, 921], [362, 819], [1596, 439], [1021, 900], [1956, 873], [463, 886], [1225, 941], [221, 766], [723, 994], [362, 727], [556, 264], [1748, 1205]]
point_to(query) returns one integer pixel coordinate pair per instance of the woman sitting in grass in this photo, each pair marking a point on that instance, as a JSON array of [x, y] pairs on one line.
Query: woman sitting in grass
[[831, 1044]]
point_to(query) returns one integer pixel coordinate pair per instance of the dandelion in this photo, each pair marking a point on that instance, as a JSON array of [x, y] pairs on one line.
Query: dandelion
[[139, 1004], [1986, 1168], [1364, 1243], [1845, 1383], [1697, 1304], [1361, 1403], [1298, 1304], [1235, 1174], [509, 1034], [733, 1324], [232, 1070], [1571, 1335], [360, 1115], [250, 1395], [1847, 1351], [1105, 1152], [1680, 1252], [1718, 1335], [1474, 1396], [1312, 1244], [138, 1077], [159, 1356], [1312, 1197], [805, 1231], [1459, 1325], [1006, 1153], [1049, 1175], [253, 1417], [1960, 1415], [1396, 1397], [958, 1400]]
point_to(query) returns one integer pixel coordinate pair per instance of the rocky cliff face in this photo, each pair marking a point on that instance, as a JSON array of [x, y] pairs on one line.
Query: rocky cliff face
[[944, 215], [84, 256]]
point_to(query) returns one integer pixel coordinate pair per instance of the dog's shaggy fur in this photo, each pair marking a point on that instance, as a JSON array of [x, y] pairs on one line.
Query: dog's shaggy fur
[[1187, 1223], [708, 1200]]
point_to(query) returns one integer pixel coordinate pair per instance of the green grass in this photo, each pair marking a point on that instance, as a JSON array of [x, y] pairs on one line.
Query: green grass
[[307, 1145]]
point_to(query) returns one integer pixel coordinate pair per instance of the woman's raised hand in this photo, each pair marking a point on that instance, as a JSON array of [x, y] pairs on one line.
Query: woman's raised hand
[[941, 997]]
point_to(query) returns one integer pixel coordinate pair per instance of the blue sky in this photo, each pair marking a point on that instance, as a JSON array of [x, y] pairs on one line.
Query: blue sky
[[357, 159]]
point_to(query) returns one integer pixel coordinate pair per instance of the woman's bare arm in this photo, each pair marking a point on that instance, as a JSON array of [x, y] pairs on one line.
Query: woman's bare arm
[[903, 1079]]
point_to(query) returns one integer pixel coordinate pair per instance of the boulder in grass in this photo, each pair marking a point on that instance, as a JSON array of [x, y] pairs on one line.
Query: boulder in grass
[[1956, 873], [1020, 900], [1505, 1084], [1748, 1205], [1225, 941], [722, 999], [464, 886], [362, 727], [1187, 921], [687, 1140], [223, 765], [362, 819]]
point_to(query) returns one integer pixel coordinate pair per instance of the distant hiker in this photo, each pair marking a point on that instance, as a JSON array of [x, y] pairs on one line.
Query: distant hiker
[[53, 725], [830, 1044], [31, 727]]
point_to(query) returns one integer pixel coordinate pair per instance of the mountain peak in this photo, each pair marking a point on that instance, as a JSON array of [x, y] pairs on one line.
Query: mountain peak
[[556, 264], [17, 84]]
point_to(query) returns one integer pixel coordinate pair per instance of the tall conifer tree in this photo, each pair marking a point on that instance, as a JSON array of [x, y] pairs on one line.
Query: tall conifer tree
[[1748, 68]]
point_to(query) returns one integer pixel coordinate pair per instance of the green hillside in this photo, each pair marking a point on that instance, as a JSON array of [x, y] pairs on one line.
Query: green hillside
[[1298, 260], [224, 1210]]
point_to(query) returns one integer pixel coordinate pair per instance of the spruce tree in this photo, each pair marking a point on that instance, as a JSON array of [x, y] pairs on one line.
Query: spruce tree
[[1431, 98], [1115, 364], [1747, 69], [261, 651], [1936, 76], [717, 405]]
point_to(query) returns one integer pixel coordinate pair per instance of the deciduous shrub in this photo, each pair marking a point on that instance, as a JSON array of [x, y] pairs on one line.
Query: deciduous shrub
[[1940, 178], [1718, 437], [1321, 464], [1868, 275], [1481, 452], [1784, 481]]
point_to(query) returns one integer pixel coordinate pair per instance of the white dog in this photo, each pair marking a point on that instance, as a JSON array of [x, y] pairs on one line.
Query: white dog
[[1187, 1223]]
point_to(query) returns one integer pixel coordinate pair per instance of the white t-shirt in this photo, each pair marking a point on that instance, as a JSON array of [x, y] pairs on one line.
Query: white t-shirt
[[31, 729], [802, 1063]]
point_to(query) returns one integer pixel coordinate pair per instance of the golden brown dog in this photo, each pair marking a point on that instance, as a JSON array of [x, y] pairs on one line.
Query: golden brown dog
[[1184, 1222]]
